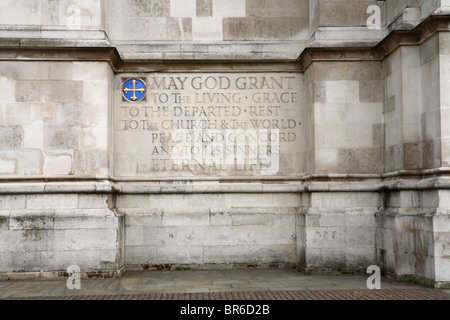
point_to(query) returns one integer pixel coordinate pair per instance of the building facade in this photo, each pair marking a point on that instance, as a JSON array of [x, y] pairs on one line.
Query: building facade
[[225, 134]]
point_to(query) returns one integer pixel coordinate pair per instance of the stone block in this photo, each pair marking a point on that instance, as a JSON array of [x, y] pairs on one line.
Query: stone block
[[7, 166], [207, 28], [351, 71], [371, 91], [360, 236], [204, 8], [89, 162], [90, 13], [185, 218], [238, 29], [4, 220], [157, 236], [29, 220], [42, 240], [28, 13], [361, 219], [140, 255], [57, 164], [289, 28], [179, 28], [332, 220], [43, 112], [61, 137], [345, 200], [360, 257], [386, 259], [50, 12], [82, 70], [92, 201], [8, 90], [231, 8], [61, 91], [249, 254], [362, 160], [253, 200], [220, 218], [60, 71], [429, 50], [134, 236], [179, 254], [326, 160], [94, 93], [11, 137], [262, 219], [85, 259], [12, 202], [125, 165], [441, 224], [412, 155], [313, 257], [12, 241], [147, 219], [403, 199], [33, 136], [90, 239], [79, 219], [133, 201], [326, 237], [183, 8], [333, 258], [279, 8], [320, 91], [442, 248], [348, 14], [30, 162], [52, 201], [442, 269], [342, 91], [17, 114], [14, 261], [429, 199], [71, 114]]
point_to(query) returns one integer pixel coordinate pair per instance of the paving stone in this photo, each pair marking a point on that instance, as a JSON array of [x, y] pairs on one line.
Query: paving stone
[[220, 285]]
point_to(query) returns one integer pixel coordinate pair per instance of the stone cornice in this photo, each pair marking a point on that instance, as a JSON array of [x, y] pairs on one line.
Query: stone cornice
[[101, 50], [383, 49], [194, 185]]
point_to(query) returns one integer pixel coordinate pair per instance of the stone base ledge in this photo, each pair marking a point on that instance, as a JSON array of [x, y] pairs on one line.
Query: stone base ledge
[[105, 274], [210, 50], [333, 271], [60, 275], [212, 266], [411, 278], [217, 186]]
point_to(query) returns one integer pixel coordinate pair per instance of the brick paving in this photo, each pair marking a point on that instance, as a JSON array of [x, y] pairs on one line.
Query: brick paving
[[391, 294]]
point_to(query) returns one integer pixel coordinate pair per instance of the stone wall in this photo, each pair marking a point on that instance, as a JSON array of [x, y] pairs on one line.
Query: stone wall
[[45, 233], [54, 118], [359, 174], [54, 122], [210, 230], [197, 20]]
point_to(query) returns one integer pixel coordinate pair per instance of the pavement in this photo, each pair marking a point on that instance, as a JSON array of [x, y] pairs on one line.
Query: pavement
[[220, 285]]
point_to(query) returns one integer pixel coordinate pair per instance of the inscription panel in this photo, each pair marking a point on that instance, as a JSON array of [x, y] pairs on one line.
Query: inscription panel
[[209, 124]]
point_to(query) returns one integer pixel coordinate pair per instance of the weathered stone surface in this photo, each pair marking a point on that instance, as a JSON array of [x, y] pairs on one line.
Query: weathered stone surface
[[204, 8], [11, 137], [353, 171], [263, 110]]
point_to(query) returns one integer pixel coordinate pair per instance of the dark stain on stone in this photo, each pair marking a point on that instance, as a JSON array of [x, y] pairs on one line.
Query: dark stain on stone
[[162, 266]]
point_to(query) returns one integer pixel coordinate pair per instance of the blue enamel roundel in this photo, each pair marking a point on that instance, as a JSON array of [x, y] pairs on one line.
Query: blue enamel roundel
[[134, 90]]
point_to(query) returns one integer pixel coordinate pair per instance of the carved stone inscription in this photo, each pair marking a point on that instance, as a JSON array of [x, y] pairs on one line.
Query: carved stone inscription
[[210, 124]]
